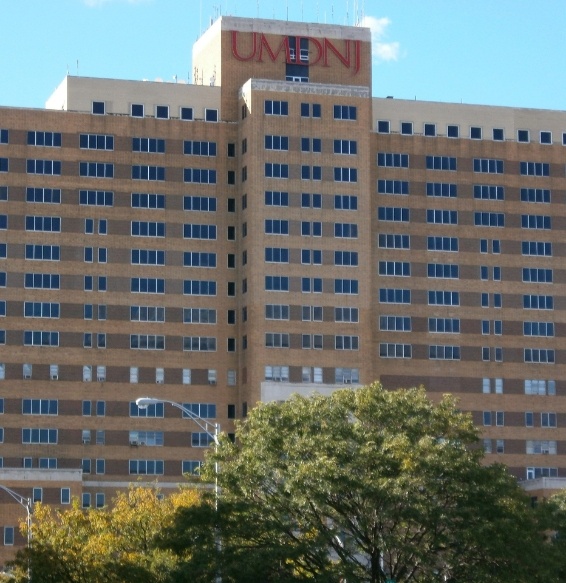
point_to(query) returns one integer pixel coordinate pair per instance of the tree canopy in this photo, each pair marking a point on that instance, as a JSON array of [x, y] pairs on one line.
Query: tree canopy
[[109, 545], [365, 485]]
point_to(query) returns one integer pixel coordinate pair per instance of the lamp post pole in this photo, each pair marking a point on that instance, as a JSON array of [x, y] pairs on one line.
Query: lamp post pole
[[27, 504], [211, 429]]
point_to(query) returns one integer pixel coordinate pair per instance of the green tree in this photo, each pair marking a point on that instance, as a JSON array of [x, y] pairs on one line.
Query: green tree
[[364, 486], [109, 545]]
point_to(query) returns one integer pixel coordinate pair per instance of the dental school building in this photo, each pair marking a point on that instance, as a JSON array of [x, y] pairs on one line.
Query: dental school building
[[270, 229]]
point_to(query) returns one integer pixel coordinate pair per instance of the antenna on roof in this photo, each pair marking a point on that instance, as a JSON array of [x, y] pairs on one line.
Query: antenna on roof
[[77, 67]]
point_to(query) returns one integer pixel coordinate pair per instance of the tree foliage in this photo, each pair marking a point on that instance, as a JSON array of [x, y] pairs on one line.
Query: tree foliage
[[363, 486], [109, 545]]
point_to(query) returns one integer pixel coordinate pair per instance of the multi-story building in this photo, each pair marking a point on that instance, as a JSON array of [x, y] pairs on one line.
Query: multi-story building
[[270, 229]]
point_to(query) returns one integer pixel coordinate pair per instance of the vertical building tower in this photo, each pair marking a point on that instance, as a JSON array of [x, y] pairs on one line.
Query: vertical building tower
[[269, 229]]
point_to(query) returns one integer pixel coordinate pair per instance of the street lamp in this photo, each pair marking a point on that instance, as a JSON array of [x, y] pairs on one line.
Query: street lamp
[[211, 429], [27, 504]]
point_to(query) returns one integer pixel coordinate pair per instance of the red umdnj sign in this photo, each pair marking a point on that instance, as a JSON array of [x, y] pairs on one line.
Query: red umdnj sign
[[256, 47]]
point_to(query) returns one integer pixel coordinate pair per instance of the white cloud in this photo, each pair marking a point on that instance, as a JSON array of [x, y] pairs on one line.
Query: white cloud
[[381, 51]]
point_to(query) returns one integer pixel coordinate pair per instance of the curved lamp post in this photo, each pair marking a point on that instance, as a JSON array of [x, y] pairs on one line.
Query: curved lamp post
[[211, 429], [27, 504]]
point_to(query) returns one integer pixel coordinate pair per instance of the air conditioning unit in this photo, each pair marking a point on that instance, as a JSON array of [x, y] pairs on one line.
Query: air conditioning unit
[[100, 379], [86, 440], [159, 381], [134, 443], [54, 377], [211, 382], [27, 376], [347, 381]]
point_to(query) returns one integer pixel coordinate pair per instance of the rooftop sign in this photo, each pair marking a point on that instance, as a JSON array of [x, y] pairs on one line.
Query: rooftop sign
[[256, 47]]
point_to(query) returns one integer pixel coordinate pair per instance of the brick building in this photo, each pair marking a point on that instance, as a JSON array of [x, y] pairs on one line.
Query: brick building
[[270, 229]]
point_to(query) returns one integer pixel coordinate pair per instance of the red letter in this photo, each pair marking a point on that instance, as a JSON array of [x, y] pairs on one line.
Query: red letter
[[273, 56], [235, 47], [345, 60]]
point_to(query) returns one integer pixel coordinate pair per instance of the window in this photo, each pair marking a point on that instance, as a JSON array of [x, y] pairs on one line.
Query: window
[[475, 133], [489, 192], [396, 268], [276, 340], [199, 148], [539, 387], [147, 229], [442, 217], [65, 495], [148, 285], [199, 344], [199, 203], [41, 310], [40, 338], [276, 255], [276, 312], [443, 270], [162, 111], [442, 243], [39, 436], [8, 536], [444, 325], [95, 198], [199, 316], [272, 107], [344, 314], [40, 407], [439, 352], [43, 252], [197, 259], [196, 287], [345, 230], [537, 275], [186, 113], [312, 313], [484, 219], [277, 373], [347, 112], [538, 302], [210, 115], [535, 195], [394, 214], [311, 200], [349, 258], [498, 134], [536, 222], [198, 231], [147, 342], [45, 195], [345, 147], [147, 314], [147, 257], [548, 419], [523, 136], [276, 170], [146, 467], [143, 172], [394, 296], [155, 410], [96, 142], [136, 110], [392, 186], [150, 145], [276, 198], [536, 248], [97, 170], [440, 163], [276, 283], [383, 127], [539, 355], [48, 224], [149, 438], [52, 139], [311, 110], [488, 165], [534, 169], [276, 143], [390, 350], [541, 447], [390, 241], [443, 298], [394, 323], [429, 129], [345, 202], [392, 160], [276, 227], [346, 286], [4, 165], [311, 284]]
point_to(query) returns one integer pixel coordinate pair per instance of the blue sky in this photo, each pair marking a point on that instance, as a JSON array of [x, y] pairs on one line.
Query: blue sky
[[499, 52]]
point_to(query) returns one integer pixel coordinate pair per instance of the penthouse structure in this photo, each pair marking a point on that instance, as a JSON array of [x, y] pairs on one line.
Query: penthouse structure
[[270, 229]]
